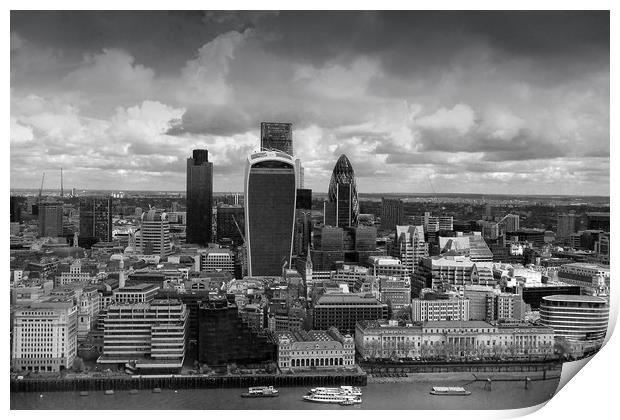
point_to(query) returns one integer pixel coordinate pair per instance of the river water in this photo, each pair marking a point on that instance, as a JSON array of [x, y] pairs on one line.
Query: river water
[[403, 396]]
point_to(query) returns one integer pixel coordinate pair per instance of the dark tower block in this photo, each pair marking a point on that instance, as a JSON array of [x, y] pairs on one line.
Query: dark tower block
[[199, 198]]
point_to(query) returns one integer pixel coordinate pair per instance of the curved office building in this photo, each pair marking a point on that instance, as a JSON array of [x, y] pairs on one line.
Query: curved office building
[[575, 317], [342, 195], [270, 194]]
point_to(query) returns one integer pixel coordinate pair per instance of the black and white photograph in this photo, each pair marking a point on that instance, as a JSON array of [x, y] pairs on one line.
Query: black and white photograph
[[334, 210]]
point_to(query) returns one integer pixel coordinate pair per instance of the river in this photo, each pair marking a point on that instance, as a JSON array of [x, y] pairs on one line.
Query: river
[[403, 396]]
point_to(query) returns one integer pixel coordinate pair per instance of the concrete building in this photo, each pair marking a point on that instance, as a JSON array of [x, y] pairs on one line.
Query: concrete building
[[343, 310], [453, 270], [395, 291], [75, 275], [322, 350], [593, 278], [146, 336], [217, 259], [453, 309], [45, 336], [388, 266], [50, 219], [154, 233], [139, 293], [410, 246], [453, 340]]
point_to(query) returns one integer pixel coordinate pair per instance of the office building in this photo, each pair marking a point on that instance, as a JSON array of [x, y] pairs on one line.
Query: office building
[[230, 223], [395, 291], [223, 337], [432, 223], [199, 198], [575, 317], [154, 236], [511, 223], [276, 137], [434, 272], [343, 310], [534, 236], [139, 293], [16, 211], [567, 224], [392, 213], [146, 336], [321, 350], [45, 336], [450, 340], [96, 220], [50, 219], [597, 221], [388, 266], [482, 302], [343, 209], [217, 259], [299, 174], [452, 309], [270, 196], [303, 222], [410, 246], [594, 278]]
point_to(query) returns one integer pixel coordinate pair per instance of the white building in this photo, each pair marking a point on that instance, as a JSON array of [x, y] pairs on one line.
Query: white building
[[410, 246], [453, 309], [217, 259], [154, 236], [301, 350], [45, 336], [74, 275]]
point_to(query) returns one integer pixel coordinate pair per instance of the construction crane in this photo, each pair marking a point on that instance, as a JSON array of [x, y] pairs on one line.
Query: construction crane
[[41, 189], [238, 228], [61, 189], [432, 188]]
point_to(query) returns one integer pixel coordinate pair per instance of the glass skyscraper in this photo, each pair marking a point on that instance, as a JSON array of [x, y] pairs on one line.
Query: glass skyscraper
[[277, 137], [342, 195], [199, 198], [270, 197]]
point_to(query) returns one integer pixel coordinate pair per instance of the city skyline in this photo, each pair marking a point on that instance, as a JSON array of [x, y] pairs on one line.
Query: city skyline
[[482, 102]]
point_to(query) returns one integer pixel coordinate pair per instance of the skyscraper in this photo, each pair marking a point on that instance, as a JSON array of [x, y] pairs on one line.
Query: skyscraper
[[299, 173], [270, 197], [96, 219], [199, 198], [342, 194], [566, 225], [50, 219], [276, 137], [392, 214], [155, 233]]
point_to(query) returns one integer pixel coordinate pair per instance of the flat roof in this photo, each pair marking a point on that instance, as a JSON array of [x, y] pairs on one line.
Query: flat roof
[[575, 298]]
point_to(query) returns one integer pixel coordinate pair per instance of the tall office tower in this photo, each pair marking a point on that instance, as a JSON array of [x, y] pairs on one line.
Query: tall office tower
[[303, 221], [50, 219], [16, 211], [154, 233], [342, 194], [511, 221], [230, 223], [597, 221], [299, 173], [566, 225], [96, 219], [45, 335], [276, 137], [392, 214], [199, 198], [410, 246], [270, 196]]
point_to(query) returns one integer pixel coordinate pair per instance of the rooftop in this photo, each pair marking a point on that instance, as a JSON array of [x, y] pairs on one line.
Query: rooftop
[[575, 298]]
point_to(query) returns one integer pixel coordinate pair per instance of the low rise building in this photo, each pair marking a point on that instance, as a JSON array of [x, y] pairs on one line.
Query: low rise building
[[315, 349], [453, 309]]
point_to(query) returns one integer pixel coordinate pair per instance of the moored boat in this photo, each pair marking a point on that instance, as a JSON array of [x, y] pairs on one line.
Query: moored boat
[[83, 393], [261, 391], [345, 389], [449, 390], [109, 392], [156, 390]]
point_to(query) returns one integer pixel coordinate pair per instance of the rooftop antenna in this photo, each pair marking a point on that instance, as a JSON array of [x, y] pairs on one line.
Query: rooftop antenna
[[61, 189]]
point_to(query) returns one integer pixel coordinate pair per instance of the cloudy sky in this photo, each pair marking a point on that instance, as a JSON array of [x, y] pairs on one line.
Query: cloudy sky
[[466, 101]]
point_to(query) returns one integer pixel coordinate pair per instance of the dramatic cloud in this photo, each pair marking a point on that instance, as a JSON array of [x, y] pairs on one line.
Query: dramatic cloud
[[468, 101]]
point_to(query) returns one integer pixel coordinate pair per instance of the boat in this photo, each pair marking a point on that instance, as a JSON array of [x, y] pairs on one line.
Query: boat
[[109, 392], [351, 401], [261, 391], [83, 393], [345, 389], [156, 390], [449, 390], [133, 391], [344, 395]]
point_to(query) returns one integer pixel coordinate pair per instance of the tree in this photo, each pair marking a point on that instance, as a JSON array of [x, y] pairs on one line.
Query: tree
[[78, 364]]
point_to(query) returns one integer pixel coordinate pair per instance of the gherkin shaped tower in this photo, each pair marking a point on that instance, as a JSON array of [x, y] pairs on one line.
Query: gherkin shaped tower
[[343, 206]]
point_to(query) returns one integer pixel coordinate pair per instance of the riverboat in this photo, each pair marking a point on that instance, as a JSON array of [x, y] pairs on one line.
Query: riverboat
[[261, 391], [449, 390], [345, 389]]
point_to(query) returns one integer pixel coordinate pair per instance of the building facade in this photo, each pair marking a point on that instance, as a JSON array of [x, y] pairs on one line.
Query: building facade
[[154, 233], [276, 137], [270, 197], [392, 213], [199, 198], [454, 309], [323, 350], [575, 317], [342, 195], [343, 310]]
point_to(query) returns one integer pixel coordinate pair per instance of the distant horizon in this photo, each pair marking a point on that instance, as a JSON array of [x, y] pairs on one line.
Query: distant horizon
[[68, 191]]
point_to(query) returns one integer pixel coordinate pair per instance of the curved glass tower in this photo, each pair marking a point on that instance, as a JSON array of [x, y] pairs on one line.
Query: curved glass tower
[[270, 195], [343, 205]]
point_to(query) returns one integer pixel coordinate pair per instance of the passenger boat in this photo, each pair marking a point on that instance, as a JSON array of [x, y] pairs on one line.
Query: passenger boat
[[449, 390], [261, 391], [156, 390], [83, 393], [345, 389], [109, 392], [346, 396]]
